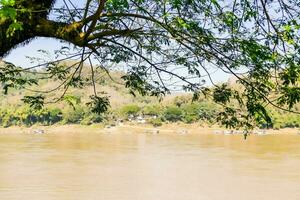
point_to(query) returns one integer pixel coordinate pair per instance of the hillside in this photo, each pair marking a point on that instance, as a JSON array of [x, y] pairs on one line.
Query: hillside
[[123, 105]]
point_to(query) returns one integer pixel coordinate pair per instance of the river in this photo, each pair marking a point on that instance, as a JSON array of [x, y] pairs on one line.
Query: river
[[132, 166]]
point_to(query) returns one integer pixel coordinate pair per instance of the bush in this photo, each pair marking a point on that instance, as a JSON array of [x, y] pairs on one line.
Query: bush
[[130, 110], [7, 117], [207, 111], [45, 116], [191, 113], [91, 118], [71, 115], [155, 121], [27, 116], [55, 115], [152, 110], [190, 118], [181, 100], [173, 114]]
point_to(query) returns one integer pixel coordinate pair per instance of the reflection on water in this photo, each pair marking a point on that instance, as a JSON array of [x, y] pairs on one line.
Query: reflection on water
[[148, 167]]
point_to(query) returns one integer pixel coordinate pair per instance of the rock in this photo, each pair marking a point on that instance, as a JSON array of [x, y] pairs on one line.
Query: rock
[[217, 131], [38, 131], [182, 132], [259, 132], [153, 132], [228, 132]]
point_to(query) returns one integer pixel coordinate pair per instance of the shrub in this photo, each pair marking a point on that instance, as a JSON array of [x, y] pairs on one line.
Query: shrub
[[90, 118], [55, 115], [155, 121], [6, 117], [191, 113], [181, 100], [152, 110], [173, 114], [207, 111], [130, 110], [71, 115]]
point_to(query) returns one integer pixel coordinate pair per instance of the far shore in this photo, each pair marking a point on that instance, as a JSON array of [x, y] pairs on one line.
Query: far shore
[[133, 128]]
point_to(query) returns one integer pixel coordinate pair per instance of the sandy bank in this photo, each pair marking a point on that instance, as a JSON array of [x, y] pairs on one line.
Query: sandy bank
[[130, 128]]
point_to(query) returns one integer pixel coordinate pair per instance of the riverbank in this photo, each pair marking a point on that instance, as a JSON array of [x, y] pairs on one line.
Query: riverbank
[[134, 128]]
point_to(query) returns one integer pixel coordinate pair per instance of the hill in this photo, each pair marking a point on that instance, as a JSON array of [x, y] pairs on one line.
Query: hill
[[124, 106]]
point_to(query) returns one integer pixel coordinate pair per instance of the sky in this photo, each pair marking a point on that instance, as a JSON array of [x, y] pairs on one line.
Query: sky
[[19, 54]]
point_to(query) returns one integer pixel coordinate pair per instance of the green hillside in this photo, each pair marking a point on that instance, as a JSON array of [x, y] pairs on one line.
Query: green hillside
[[124, 106]]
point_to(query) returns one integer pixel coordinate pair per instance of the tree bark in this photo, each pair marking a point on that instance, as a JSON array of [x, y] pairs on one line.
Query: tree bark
[[36, 24]]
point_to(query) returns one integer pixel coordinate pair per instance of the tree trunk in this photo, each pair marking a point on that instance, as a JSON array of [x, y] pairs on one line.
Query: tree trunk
[[35, 24]]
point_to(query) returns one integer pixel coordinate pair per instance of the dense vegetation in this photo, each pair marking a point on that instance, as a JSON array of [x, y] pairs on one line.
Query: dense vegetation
[[138, 109], [153, 114]]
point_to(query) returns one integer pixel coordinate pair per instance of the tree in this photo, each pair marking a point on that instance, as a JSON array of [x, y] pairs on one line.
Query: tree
[[166, 43]]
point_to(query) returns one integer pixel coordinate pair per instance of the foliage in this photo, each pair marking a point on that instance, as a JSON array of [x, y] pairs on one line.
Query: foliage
[[91, 118], [27, 116], [155, 122], [203, 112], [152, 110], [191, 113], [196, 111], [128, 110], [72, 100], [173, 114], [180, 100], [98, 104], [73, 116], [12, 77]]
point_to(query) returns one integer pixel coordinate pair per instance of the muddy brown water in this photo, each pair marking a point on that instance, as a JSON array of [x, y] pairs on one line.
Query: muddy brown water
[[131, 166]]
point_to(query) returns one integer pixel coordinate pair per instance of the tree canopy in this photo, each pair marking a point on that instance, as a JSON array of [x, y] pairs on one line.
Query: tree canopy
[[166, 43]]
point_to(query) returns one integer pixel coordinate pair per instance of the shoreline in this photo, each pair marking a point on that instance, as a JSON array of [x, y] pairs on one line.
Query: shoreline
[[136, 128]]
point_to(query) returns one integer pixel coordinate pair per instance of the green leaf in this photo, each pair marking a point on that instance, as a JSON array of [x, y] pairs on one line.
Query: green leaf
[[72, 100], [7, 2], [98, 105], [36, 102]]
